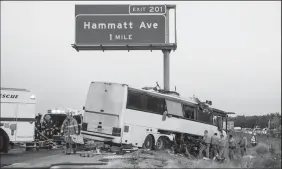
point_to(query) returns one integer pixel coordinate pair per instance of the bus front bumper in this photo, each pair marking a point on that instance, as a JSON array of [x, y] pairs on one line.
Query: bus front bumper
[[100, 137]]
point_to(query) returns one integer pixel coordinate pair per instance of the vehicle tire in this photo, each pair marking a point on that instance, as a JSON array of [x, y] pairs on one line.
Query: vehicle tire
[[149, 142], [4, 141], [161, 143], [1, 143]]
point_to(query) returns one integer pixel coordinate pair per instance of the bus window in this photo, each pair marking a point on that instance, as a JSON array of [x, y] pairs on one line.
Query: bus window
[[189, 112], [145, 103], [154, 105], [218, 121], [224, 124], [174, 108], [135, 101], [205, 117], [215, 122]]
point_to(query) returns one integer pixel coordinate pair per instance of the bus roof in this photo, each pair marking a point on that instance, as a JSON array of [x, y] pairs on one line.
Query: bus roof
[[14, 89], [189, 101]]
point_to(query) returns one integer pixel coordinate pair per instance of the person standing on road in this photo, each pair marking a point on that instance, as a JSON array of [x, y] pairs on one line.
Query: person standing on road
[[206, 145], [38, 126], [69, 128], [214, 145], [243, 144], [47, 126], [221, 145], [254, 140], [232, 147]]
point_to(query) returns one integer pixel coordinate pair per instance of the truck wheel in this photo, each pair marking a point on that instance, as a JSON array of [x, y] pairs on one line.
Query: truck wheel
[[4, 141], [161, 143], [149, 142]]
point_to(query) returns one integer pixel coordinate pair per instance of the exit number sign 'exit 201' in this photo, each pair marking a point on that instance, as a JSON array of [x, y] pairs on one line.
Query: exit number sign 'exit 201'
[[120, 24]]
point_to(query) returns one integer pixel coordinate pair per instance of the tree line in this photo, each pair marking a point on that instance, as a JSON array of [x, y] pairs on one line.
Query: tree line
[[261, 121]]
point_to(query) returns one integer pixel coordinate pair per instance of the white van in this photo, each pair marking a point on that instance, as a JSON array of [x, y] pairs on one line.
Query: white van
[[17, 118]]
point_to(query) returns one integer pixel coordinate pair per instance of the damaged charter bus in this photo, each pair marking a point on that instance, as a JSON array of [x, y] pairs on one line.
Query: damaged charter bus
[[118, 113]]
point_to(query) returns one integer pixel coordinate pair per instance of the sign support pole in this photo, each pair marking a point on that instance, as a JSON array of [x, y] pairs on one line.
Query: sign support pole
[[166, 53]]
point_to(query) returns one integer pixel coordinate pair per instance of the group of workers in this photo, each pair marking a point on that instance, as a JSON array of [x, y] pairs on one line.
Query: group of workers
[[215, 146], [68, 128]]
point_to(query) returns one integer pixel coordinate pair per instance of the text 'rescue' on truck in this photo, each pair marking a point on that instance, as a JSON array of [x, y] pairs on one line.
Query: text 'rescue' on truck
[[17, 118]]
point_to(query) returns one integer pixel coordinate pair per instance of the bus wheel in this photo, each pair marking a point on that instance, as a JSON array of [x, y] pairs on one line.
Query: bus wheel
[[1, 143], [149, 142], [160, 145]]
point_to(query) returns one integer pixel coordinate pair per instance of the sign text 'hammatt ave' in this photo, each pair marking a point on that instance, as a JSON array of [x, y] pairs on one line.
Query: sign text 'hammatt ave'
[[119, 27]]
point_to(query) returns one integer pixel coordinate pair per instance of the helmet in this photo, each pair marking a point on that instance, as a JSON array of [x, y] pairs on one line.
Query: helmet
[[47, 116]]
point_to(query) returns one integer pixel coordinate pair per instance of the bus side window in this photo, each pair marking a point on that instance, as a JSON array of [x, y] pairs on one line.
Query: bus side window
[[215, 122], [205, 117], [188, 112], [135, 101], [154, 105]]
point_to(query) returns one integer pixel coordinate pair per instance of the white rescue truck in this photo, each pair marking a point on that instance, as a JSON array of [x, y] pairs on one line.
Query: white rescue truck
[[17, 118], [120, 114]]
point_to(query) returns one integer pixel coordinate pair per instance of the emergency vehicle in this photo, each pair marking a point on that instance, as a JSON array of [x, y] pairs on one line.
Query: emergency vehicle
[[17, 118], [120, 114]]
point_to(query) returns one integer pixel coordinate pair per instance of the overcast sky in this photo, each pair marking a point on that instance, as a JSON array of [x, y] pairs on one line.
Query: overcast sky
[[228, 52]]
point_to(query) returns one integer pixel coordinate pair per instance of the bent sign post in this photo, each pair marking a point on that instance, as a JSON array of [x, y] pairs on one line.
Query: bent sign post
[[125, 27]]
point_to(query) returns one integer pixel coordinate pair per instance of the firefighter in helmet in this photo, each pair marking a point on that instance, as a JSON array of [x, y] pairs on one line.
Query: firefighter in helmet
[[47, 126], [69, 128]]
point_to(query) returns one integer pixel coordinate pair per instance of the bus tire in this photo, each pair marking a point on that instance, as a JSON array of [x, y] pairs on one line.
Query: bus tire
[[149, 142], [4, 141], [1, 143], [161, 143]]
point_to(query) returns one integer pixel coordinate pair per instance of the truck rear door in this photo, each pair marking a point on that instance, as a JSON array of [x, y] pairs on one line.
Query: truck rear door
[[25, 122]]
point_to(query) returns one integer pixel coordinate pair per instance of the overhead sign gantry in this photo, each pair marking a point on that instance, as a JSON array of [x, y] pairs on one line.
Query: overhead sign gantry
[[126, 27]]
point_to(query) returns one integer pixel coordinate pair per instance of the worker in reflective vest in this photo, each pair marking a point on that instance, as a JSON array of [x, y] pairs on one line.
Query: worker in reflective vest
[[254, 140], [69, 128], [47, 126], [38, 126]]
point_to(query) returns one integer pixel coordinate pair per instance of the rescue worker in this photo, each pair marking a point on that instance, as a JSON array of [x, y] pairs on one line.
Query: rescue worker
[[214, 145], [205, 145], [243, 144], [231, 147], [69, 128], [254, 140], [221, 145], [47, 126], [38, 126]]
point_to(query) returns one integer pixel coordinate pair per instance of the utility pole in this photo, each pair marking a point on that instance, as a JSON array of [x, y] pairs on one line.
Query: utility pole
[[166, 53]]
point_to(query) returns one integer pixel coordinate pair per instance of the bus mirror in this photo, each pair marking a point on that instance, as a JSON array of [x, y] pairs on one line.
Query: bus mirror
[[83, 108]]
